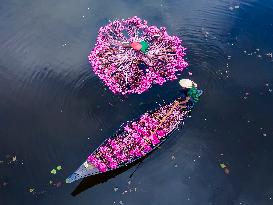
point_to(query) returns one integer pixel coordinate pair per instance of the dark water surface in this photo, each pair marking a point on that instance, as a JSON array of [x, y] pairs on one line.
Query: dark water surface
[[55, 111]]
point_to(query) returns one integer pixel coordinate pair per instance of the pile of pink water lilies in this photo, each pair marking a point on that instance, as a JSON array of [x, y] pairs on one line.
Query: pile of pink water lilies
[[130, 56], [137, 139]]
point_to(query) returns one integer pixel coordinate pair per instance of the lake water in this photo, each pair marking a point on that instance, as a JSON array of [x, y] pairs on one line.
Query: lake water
[[55, 111]]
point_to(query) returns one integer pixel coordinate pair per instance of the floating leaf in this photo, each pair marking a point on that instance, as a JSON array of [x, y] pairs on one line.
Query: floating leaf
[[53, 171], [59, 168], [223, 166]]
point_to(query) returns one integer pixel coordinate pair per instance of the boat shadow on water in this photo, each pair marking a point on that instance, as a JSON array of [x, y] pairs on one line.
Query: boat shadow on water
[[94, 180]]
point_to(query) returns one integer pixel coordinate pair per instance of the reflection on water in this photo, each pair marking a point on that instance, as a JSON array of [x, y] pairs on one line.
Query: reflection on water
[[55, 111]]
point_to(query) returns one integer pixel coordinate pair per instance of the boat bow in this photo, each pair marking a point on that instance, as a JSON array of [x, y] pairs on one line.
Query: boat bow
[[86, 169]]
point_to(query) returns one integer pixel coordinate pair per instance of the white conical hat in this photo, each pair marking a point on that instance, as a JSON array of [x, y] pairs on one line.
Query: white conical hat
[[187, 83]]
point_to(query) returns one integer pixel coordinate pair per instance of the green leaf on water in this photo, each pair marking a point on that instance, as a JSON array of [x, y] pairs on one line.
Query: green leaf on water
[[59, 168], [53, 171], [223, 166]]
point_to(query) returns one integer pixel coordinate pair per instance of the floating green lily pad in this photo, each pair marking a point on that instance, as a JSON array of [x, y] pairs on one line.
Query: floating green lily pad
[[59, 168], [223, 166], [53, 171]]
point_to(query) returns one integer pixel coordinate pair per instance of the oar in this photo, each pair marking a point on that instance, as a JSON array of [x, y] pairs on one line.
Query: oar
[[169, 113]]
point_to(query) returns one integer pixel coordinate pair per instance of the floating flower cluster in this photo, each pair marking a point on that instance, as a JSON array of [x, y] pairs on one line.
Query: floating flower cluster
[[130, 56], [138, 137]]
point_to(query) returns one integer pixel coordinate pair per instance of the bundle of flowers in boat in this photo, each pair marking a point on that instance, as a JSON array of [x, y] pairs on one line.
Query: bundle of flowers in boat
[[137, 139]]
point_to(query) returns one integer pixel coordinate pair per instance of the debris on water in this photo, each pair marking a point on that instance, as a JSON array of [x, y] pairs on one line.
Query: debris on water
[[115, 189], [173, 157], [31, 190], [65, 44], [129, 182], [9, 159], [175, 165], [237, 7], [246, 95], [58, 184], [124, 192], [226, 169], [264, 134], [269, 55], [121, 202]]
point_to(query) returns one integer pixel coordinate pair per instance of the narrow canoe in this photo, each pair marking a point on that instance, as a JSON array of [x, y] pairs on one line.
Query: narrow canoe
[[136, 139]]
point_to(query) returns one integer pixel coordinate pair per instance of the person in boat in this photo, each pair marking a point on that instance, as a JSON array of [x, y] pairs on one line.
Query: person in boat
[[188, 91]]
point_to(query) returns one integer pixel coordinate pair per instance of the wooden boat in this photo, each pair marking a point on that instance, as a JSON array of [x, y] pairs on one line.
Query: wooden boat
[[137, 138]]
